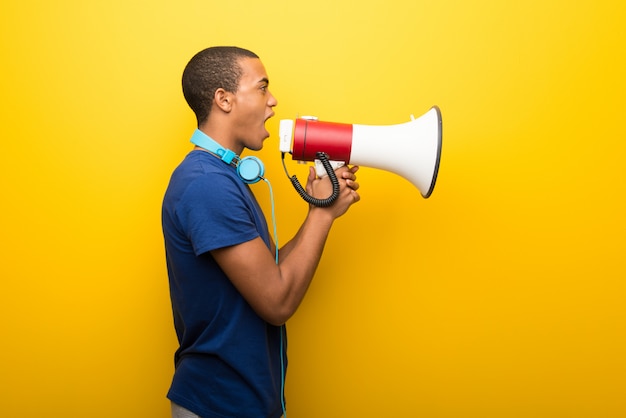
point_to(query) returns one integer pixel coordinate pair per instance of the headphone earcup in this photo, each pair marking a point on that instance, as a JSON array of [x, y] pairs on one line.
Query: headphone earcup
[[250, 170]]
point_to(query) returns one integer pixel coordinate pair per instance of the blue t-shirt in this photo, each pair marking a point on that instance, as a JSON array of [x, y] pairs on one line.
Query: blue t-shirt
[[229, 360]]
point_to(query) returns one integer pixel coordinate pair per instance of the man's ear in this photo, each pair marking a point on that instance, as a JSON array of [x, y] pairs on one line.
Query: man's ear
[[223, 99]]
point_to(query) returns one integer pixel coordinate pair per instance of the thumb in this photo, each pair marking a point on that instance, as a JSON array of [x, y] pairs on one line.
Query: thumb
[[310, 179]]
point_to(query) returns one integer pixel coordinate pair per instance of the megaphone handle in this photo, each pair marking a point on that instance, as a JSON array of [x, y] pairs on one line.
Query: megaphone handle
[[333, 179], [321, 170]]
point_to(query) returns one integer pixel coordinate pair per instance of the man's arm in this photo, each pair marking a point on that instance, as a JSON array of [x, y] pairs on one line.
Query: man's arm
[[275, 290], [347, 175]]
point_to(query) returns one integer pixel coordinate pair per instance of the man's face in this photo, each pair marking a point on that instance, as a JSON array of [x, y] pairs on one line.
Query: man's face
[[253, 105]]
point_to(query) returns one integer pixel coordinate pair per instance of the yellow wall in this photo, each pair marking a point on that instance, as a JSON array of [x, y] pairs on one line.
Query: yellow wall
[[500, 296]]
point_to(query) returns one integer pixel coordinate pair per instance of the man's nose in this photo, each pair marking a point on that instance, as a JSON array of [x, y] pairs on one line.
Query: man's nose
[[272, 101]]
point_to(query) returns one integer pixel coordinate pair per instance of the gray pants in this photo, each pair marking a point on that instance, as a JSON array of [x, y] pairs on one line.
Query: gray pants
[[180, 412]]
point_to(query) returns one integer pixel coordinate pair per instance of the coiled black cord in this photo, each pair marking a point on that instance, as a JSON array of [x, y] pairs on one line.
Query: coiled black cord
[[323, 203]]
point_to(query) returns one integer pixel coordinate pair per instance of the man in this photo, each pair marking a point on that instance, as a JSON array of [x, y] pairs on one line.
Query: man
[[230, 295]]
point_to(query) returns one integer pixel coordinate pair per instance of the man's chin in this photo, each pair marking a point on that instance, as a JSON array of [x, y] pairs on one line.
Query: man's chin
[[265, 136], [259, 146]]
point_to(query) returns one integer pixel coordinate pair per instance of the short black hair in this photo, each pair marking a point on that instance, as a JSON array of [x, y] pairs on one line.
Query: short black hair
[[210, 69]]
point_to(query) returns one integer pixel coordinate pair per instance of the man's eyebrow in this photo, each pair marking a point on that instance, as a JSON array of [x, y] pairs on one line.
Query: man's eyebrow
[[264, 80]]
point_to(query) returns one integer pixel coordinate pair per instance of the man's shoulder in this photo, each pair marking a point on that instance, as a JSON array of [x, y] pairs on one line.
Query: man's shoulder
[[199, 166]]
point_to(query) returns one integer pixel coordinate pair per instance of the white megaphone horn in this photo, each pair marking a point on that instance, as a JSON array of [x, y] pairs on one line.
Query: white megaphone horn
[[411, 150]]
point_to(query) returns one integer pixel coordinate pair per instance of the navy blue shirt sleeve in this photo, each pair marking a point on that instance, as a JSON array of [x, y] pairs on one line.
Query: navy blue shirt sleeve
[[214, 216]]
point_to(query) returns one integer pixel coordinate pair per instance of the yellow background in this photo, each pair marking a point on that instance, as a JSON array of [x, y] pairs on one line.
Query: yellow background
[[500, 296]]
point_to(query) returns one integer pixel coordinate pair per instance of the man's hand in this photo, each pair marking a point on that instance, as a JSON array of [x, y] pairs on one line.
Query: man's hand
[[322, 188]]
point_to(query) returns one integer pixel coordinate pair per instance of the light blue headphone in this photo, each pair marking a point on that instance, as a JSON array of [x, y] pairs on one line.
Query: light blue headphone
[[249, 169]]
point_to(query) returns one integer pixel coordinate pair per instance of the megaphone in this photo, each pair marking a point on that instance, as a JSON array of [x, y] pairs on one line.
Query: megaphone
[[411, 149]]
